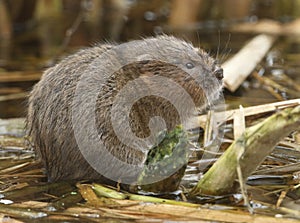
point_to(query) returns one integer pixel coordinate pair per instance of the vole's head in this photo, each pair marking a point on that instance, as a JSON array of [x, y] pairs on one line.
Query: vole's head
[[194, 66]]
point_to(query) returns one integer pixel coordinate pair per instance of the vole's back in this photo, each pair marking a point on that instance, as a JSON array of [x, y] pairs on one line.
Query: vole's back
[[49, 117]]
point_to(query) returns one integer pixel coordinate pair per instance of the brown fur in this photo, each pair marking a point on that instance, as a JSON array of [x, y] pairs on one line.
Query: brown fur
[[49, 114]]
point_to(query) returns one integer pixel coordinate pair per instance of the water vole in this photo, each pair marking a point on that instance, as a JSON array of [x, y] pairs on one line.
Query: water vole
[[61, 104]]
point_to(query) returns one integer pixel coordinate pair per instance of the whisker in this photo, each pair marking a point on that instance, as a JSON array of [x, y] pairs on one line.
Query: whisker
[[226, 50], [219, 43]]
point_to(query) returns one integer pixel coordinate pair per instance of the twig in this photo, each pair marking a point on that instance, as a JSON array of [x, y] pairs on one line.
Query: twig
[[243, 63], [249, 111], [256, 143]]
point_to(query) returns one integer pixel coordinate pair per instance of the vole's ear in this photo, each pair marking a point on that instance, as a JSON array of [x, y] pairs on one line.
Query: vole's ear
[[144, 57]]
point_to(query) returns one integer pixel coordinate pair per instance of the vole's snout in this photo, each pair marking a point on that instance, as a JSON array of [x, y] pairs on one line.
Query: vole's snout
[[219, 73]]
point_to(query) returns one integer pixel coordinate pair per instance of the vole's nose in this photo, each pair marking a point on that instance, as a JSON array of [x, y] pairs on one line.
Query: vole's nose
[[219, 73]]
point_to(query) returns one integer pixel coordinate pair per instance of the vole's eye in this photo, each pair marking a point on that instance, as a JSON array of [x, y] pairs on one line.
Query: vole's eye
[[190, 65]]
